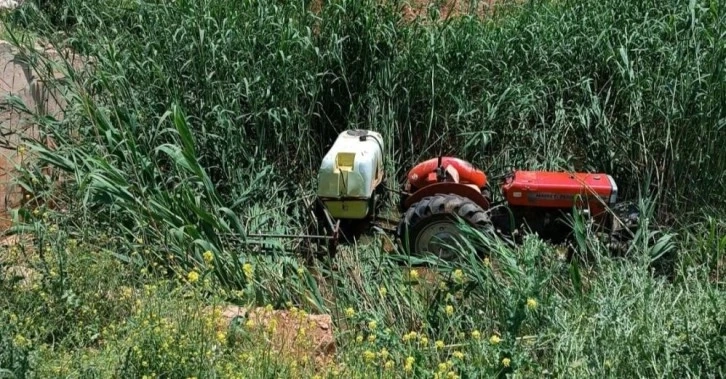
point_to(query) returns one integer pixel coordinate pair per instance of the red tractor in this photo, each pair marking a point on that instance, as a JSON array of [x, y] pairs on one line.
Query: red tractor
[[440, 191]]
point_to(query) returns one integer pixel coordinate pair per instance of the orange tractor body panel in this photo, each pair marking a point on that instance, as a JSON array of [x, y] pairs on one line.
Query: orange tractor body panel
[[445, 175], [462, 171], [546, 189]]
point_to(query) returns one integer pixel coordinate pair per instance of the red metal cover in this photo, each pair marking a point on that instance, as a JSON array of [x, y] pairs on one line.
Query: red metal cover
[[421, 174], [559, 189]]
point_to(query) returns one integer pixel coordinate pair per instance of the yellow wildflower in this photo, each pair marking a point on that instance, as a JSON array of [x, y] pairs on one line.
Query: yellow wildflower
[[193, 276], [248, 270], [475, 335], [494, 339], [443, 367], [372, 325], [272, 326], [369, 355], [487, 263], [439, 344], [409, 336], [208, 256], [126, 293], [449, 310], [350, 312], [221, 337], [359, 338], [458, 355], [531, 303], [371, 338], [424, 341], [413, 274], [20, 341], [382, 291], [409, 364], [458, 275], [384, 353], [506, 362], [388, 365], [452, 375]]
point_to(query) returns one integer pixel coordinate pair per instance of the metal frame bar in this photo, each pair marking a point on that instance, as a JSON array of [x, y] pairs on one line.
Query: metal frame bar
[[319, 214]]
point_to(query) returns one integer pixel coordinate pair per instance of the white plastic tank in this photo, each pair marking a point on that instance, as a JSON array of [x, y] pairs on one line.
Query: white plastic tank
[[350, 172]]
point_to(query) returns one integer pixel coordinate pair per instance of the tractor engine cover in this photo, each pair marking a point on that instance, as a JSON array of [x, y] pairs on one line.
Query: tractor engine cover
[[560, 190]]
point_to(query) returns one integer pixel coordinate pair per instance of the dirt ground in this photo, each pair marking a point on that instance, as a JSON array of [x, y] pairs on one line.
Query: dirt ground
[[446, 8], [292, 334]]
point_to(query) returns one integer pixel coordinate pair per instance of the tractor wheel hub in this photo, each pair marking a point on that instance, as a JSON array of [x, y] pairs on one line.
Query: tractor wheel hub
[[438, 238]]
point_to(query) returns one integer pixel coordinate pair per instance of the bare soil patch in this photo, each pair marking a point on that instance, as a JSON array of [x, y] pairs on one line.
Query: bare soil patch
[[292, 334], [446, 8], [419, 9]]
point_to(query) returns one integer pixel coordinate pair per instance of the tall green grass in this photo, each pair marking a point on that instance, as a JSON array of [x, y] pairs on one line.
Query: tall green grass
[[259, 91], [616, 86]]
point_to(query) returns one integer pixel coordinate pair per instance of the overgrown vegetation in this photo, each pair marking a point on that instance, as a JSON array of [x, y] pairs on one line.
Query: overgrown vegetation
[[202, 121]]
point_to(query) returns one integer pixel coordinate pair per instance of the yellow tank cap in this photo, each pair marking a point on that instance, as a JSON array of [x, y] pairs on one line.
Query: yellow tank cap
[[345, 161]]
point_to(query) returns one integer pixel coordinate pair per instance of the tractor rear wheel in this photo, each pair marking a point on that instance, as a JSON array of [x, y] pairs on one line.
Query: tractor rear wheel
[[432, 224]]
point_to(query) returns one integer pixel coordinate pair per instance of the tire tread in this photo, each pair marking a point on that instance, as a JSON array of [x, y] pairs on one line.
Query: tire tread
[[441, 204]]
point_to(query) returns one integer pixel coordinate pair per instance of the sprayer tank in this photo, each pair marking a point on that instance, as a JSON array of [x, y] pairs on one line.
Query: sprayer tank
[[350, 172]]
